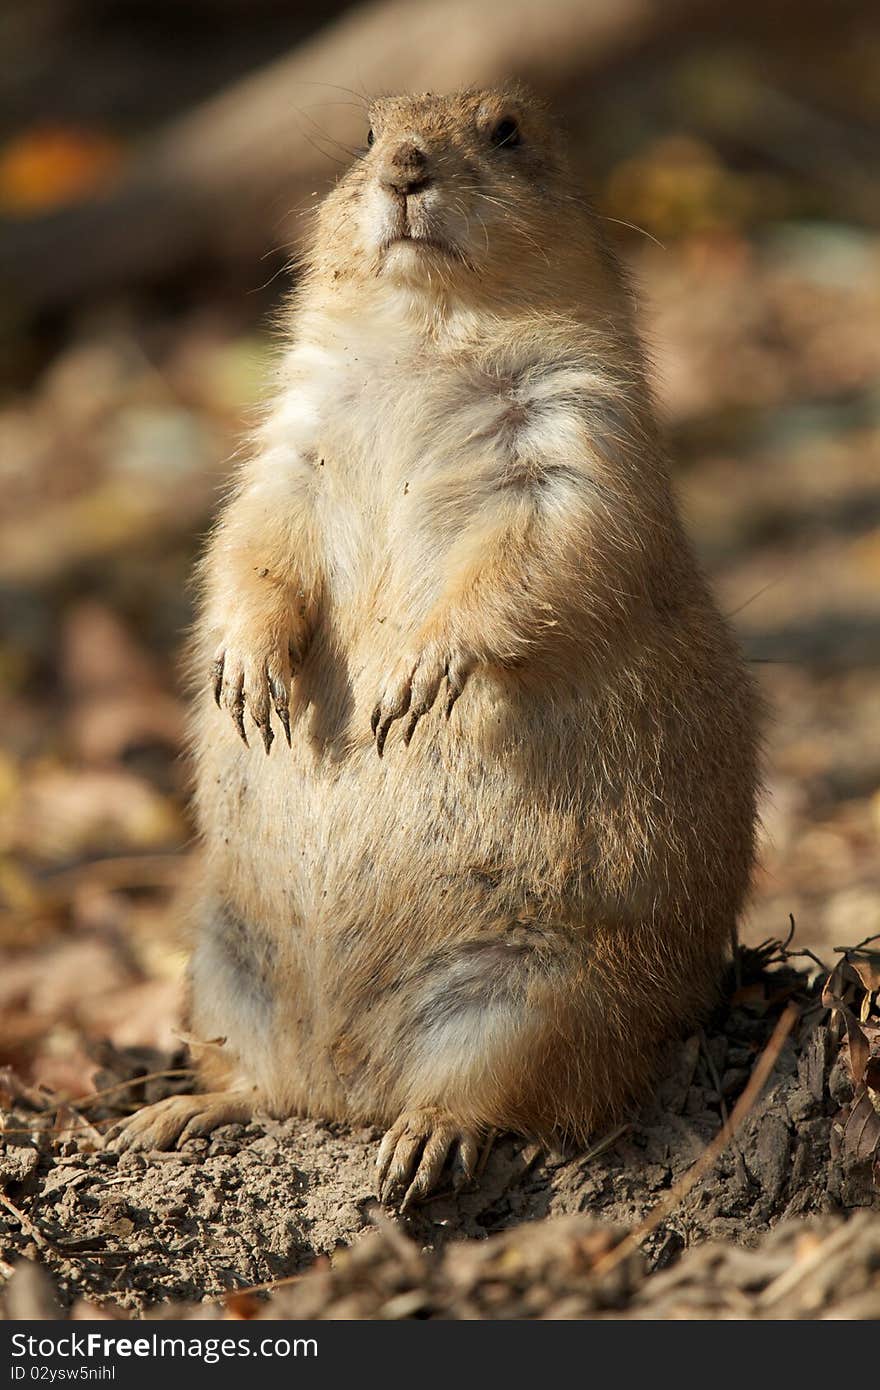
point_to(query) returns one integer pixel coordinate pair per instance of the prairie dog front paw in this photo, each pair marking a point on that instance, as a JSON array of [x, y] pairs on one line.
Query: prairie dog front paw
[[254, 677], [413, 686], [255, 661]]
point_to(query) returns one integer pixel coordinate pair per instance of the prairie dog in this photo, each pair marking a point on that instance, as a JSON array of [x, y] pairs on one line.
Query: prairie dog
[[497, 854]]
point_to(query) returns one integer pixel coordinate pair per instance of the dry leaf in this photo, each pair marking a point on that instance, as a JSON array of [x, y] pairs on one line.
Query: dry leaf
[[850, 986], [866, 964], [861, 1132]]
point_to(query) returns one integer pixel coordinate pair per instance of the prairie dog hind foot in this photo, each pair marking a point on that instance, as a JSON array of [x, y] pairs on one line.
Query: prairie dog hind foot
[[176, 1119], [414, 1154], [422, 1146]]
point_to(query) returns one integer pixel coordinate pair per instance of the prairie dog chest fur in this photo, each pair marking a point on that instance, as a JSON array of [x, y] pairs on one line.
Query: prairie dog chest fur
[[400, 437]]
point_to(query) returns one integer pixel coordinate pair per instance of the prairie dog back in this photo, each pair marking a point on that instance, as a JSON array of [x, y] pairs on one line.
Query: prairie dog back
[[499, 850]]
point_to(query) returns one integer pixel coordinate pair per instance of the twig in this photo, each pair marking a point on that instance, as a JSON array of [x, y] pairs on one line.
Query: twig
[[484, 1155], [54, 1103], [679, 1190], [713, 1072], [27, 1225], [606, 1142], [810, 955], [37, 1128], [848, 950], [268, 1287], [133, 1081], [776, 952], [797, 1273], [124, 870]]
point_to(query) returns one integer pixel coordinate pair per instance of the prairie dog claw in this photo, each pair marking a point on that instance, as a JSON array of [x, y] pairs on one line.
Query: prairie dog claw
[[254, 684], [413, 1156], [281, 703], [413, 689], [217, 679]]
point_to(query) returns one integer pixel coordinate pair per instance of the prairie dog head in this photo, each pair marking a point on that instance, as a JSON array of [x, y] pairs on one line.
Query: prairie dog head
[[468, 194]]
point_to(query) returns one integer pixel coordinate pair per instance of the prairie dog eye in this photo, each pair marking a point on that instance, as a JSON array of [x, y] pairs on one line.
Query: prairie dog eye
[[370, 136], [506, 133]]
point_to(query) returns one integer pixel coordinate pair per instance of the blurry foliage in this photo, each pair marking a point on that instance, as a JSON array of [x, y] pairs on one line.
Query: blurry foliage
[[678, 185], [51, 165]]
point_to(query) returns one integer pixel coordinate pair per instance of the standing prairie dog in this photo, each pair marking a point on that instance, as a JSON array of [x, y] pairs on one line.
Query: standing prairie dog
[[498, 857]]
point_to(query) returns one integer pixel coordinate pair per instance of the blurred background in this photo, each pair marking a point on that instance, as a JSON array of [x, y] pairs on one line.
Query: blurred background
[[156, 157]]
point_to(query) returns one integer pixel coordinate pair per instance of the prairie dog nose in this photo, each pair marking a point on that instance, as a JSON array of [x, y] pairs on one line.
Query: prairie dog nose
[[405, 169]]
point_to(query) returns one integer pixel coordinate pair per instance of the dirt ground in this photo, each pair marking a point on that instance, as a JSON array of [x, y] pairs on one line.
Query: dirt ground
[[187, 1232]]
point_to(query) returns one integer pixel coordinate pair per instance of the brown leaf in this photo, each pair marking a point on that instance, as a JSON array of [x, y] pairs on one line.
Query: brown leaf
[[866, 964], [858, 1047], [861, 1134], [836, 995], [71, 1125], [840, 985]]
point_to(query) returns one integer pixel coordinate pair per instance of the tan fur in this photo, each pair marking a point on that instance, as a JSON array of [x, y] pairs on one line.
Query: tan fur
[[459, 487]]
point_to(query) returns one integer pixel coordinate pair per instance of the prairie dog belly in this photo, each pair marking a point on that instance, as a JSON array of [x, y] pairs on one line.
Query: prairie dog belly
[[347, 873], [328, 821]]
